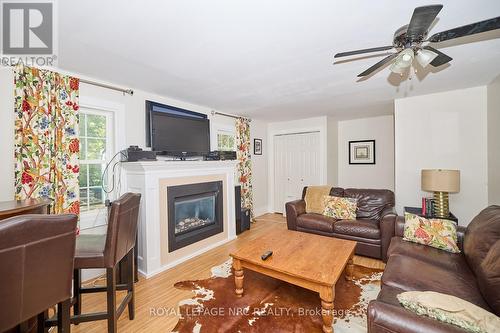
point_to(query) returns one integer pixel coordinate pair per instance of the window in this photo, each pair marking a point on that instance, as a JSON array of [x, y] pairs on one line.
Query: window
[[96, 149], [226, 140]]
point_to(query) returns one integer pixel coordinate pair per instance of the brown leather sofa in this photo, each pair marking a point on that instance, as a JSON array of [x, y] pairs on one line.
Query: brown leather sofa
[[372, 229], [473, 275]]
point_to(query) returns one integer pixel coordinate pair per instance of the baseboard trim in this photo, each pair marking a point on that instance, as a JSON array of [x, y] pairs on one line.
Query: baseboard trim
[[258, 211], [183, 259]]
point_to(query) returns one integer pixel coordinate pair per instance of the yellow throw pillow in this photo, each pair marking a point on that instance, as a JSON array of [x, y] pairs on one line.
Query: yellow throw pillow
[[314, 198], [340, 208], [450, 309], [438, 233]]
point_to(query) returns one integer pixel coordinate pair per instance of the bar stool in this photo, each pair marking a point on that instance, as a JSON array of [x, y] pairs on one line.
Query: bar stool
[[106, 251], [36, 252]]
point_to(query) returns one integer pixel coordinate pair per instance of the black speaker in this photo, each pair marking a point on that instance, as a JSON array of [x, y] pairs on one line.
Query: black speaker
[[242, 215], [245, 219]]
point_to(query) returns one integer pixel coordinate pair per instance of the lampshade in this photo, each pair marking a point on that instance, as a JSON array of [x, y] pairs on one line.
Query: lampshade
[[439, 180], [425, 57], [403, 61], [398, 68]]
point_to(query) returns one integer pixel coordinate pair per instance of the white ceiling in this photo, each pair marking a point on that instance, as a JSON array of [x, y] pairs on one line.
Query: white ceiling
[[267, 59]]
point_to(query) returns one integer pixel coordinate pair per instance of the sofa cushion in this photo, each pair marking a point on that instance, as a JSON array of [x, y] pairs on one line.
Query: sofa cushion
[[426, 253], [371, 202], [438, 233], [409, 274], [316, 222], [482, 251], [360, 228]]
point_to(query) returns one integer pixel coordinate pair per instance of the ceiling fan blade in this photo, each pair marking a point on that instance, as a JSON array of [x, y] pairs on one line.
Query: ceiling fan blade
[[378, 65], [421, 20], [373, 49], [441, 59], [466, 30]]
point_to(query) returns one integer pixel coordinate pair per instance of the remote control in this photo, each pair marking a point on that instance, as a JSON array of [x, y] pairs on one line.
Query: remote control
[[266, 255]]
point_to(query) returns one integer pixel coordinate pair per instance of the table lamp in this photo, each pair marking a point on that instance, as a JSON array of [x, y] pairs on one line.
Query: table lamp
[[441, 182]]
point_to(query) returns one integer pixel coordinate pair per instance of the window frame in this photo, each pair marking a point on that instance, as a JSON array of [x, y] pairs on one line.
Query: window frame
[[221, 128], [93, 219], [225, 132], [110, 151]]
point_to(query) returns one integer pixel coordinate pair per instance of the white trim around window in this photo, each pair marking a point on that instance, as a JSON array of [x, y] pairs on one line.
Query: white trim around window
[[97, 217], [217, 128]]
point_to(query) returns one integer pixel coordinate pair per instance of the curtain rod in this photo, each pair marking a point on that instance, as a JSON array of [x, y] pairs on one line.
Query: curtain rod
[[107, 86], [94, 83], [228, 115]]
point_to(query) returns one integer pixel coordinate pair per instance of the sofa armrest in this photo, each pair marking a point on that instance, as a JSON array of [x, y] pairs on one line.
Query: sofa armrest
[[293, 210], [387, 222], [384, 317], [399, 226], [460, 237]]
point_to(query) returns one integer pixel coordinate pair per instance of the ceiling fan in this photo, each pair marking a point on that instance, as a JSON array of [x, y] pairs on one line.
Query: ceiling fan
[[408, 41]]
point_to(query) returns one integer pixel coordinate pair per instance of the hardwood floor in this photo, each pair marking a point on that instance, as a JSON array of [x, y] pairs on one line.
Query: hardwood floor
[[158, 293]]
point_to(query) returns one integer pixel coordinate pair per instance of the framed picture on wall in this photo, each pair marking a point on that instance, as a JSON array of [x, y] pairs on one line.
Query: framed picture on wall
[[257, 146], [362, 152]]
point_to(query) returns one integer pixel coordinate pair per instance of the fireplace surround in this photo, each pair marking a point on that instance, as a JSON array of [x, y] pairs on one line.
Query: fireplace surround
[[152, 179], [195, 212]]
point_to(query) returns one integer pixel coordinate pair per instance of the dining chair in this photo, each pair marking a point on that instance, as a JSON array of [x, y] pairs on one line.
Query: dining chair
[[36, 256], [106, 251]]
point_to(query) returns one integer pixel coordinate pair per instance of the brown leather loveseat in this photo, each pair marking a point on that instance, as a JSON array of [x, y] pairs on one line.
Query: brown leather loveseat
[[472, 275], [372, 229]]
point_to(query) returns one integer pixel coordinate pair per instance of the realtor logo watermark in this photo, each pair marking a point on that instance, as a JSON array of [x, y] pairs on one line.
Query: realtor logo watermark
[[28, 33]]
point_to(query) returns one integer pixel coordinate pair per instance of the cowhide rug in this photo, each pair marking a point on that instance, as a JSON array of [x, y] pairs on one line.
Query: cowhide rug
[[269, 305]]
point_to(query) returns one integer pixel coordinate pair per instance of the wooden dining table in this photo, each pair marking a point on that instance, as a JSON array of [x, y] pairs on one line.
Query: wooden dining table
[[21, 207]]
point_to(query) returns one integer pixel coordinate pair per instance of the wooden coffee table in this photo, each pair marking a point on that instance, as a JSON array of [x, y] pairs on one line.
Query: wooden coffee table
[[310, 261]]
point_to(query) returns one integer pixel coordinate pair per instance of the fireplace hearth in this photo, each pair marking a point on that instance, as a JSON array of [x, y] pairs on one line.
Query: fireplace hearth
[[195, 212]]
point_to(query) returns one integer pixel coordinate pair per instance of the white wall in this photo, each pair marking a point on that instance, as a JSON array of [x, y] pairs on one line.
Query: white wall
[[494, 142], [332, 152], [6, 134], [258, 130], [444, 130], [379, 175]]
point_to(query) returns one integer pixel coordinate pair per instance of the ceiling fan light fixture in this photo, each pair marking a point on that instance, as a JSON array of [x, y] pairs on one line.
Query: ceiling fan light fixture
[[398, 68], [425, 57], [403, 61]]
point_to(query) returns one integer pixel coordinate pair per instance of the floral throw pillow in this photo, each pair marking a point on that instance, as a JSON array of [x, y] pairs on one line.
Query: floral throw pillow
[[340, 208], [438, 233]]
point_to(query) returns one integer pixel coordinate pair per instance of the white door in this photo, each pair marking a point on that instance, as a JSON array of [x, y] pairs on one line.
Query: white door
[[296, 164]]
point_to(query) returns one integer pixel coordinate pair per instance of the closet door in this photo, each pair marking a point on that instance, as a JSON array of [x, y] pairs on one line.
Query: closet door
[[296, 164]]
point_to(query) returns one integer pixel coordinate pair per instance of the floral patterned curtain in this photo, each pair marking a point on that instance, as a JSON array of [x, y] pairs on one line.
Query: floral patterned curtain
[[244, 167], [46, 138]]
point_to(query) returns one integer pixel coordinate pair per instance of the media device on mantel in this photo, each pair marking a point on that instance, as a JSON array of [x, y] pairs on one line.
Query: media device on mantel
[[220, 155], [134, 154]]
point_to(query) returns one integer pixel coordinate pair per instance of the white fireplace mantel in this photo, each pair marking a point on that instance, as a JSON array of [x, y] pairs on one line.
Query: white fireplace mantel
[[147, 178]]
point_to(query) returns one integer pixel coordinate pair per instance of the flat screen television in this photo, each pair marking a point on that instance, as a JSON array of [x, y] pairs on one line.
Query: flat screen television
[[176, 132]]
